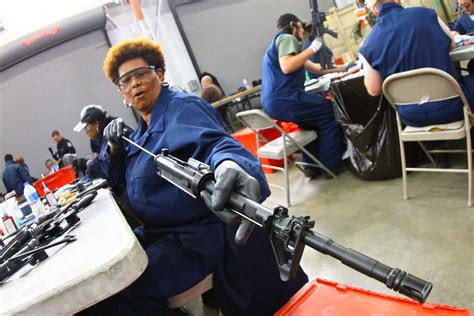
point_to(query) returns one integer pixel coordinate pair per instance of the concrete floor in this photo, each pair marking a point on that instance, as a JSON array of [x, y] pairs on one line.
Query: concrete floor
[[430, 236]]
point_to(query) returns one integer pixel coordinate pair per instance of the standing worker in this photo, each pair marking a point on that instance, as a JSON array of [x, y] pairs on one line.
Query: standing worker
[[21, 162], [63, 146], [14, 176], [183, 239], [284, 97]]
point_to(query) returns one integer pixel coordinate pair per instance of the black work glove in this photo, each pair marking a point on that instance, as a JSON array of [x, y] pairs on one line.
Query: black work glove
[[230, 177], [114, 132], [351, 65]]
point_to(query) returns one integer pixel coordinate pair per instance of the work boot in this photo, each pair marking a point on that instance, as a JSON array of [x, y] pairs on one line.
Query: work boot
[[312, 173]]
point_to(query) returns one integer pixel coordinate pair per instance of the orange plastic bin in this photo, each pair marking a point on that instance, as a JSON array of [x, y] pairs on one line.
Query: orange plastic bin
[[55, 180], [323, 297]]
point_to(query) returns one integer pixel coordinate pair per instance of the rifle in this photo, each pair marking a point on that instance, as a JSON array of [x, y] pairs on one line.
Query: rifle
[[53, 154], [288, 234], [318, 29], [29, 244]]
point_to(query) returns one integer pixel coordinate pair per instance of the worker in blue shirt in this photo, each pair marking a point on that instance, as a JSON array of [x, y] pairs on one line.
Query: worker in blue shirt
[[183, 239], [407, 39], [284, 97], [14, 176], [465, 23]]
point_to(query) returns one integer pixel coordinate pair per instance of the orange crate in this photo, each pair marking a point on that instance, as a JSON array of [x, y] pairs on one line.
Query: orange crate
[[323, 297], [55, 180]]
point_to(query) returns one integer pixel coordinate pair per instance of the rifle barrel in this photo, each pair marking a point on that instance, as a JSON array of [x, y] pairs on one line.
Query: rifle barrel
[[393, 278]]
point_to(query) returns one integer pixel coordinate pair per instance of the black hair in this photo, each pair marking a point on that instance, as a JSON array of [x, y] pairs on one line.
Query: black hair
[[284, 22], [8, 157], [54, 133], [214, 79], [103, 123], [288, 29]]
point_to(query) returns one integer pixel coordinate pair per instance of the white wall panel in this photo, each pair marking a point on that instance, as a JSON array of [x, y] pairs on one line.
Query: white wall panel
[[47, 91]]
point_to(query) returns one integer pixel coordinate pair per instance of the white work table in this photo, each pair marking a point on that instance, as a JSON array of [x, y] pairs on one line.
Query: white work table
[[105, 258], [323, 84], [462, 53]]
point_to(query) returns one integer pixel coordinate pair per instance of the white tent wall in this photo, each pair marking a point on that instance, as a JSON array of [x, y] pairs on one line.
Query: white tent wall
[[180, 72]]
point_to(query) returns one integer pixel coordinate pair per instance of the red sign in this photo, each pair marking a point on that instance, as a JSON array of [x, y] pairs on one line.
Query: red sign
[[41, 34]]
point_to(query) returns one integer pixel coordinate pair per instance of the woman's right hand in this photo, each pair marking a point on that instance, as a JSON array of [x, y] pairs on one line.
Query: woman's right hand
[[114, 132]]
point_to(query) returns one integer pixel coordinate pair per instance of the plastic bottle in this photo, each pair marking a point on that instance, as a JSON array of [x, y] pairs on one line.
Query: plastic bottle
[[49, 196], [11, 210], [246, 84], [9, 224], [33, 199]]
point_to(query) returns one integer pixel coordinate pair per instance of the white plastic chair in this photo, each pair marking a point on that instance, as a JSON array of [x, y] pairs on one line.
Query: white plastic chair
[[281, 147], [422, 85]]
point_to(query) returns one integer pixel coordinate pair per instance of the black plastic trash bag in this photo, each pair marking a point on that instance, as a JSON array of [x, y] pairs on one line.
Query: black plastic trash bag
[[370, 127]]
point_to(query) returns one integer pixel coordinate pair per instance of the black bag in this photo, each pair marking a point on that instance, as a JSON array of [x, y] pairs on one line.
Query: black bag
[[370, 127]]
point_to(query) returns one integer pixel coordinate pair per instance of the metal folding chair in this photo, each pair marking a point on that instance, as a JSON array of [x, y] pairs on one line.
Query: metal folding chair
[[280, 148], [422, 85]]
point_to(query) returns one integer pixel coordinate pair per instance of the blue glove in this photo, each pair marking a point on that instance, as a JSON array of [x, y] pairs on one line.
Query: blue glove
[[114, 132], [230, 177]]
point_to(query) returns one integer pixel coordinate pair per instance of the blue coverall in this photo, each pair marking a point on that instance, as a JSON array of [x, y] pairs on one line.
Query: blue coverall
[[14, 176], [183, 239], [406, 39], [463, 25], [284, 98]]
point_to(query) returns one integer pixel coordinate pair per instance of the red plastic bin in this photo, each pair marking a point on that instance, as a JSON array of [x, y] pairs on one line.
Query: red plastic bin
[[55, 180], [323, 297]]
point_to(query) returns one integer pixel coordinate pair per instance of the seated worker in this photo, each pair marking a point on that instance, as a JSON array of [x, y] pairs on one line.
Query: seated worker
[[183, 239], [465, 23], [284, 98], [465, 26], [51, 167], [212, 93], [93, 121], [426, 43], [14, 176], [207, 79], [63, 146]]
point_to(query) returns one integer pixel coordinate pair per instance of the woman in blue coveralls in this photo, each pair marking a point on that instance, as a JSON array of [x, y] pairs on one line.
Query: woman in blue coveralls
[[465, 23], [183, 239], [284, 98], [407, 39], [93, 121]]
